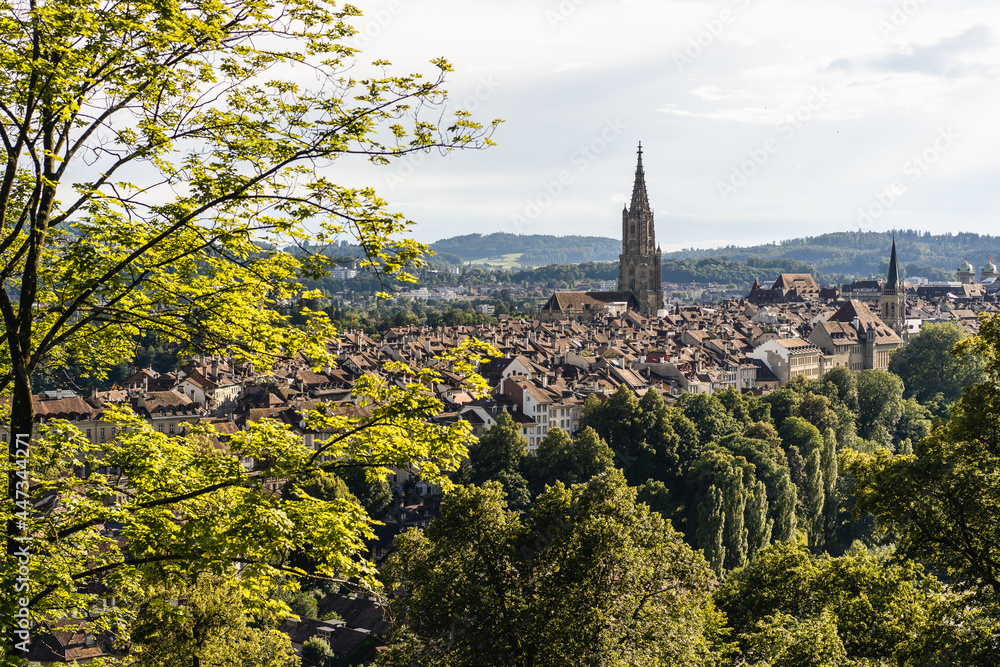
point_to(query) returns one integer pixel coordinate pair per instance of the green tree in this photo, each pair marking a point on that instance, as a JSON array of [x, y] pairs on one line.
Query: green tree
[[880, 405], [840, 385], [315, 651], [614, 420], [157, 159], [864, 608], [784, 403], [813, 495], [559, 458], [371, 490], [928, 367], [502, 448], [941, 501], [589, 577], [709, 416], [205, 624], [817, 410]]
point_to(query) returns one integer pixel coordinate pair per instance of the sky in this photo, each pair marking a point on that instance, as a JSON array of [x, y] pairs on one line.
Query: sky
[[760, 120]]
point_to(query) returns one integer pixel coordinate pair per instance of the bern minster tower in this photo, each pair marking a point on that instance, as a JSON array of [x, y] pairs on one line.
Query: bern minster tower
[[639, 265]]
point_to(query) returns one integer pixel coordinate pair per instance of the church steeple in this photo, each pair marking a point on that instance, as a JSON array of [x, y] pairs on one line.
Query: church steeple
[[640, 200], [640, 264], [892, 304], [892, 280]]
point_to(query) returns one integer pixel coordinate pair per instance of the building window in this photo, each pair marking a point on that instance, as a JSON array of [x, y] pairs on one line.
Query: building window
[[160, 428], [102, 434], [171, 428], [88, 434]]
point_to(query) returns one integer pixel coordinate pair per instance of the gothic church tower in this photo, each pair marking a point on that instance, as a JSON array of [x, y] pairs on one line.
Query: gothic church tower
[[892, 304], [639, 266]]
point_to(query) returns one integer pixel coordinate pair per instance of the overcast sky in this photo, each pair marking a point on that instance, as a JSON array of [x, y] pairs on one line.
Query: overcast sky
[[760, 120]]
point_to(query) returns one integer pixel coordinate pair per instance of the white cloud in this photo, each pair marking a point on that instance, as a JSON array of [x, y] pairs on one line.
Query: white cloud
[[560, 80]]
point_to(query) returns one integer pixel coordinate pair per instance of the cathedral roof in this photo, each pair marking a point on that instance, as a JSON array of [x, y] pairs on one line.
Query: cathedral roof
[[640, 200]]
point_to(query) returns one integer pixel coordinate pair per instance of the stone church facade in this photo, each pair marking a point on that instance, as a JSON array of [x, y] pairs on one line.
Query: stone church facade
[[640, 268]]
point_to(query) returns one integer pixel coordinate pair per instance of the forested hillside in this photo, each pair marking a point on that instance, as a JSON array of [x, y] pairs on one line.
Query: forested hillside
[[538, 250], [935, 256], [835, 256]]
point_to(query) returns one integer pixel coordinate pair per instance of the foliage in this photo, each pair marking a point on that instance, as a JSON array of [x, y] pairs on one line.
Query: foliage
[[848, 255], [929, 369], [158, 156], [860, 607], [315, 651], [208, 626], [880, 405], [502, 448], [940, 503], [560, 458], [589, 577]]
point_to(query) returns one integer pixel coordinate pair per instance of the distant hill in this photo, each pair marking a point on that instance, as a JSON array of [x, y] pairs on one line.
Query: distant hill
[[534, 250], [837, 256], [933, 256]]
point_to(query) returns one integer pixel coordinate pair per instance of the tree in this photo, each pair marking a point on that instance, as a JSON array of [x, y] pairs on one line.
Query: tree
[[589, 577], [880, 405], [157, 159], [784, 403], [371, 490], [812, 501], [315, 651], [840, 385], [816, 409], [502, 448], [207, 626], [709, 416], [928, 366], [559, 458], [942, 500], [859, 606]]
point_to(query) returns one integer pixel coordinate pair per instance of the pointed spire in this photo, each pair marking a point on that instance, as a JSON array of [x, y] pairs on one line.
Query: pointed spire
[[892, 280], [640, 201]]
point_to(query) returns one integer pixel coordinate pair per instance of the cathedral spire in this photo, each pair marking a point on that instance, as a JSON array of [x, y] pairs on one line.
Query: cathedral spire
[[892, 280], [640, 201]]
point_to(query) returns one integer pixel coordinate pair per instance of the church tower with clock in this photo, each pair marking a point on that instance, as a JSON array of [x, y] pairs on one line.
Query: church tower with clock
[[639, 266]]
